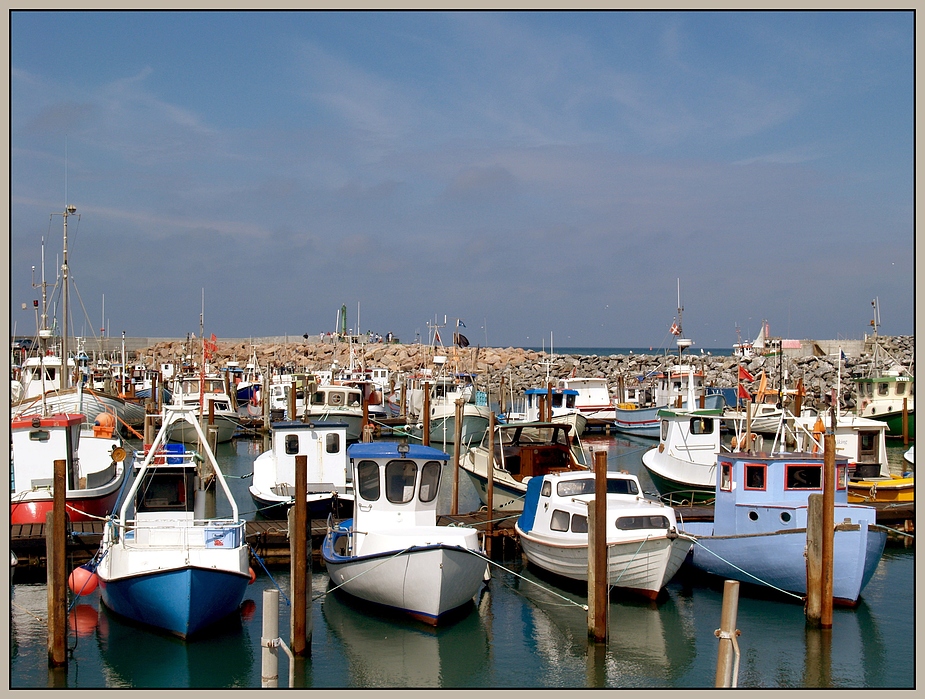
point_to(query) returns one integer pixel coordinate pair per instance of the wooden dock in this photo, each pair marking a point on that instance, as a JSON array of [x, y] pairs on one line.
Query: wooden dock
[[270, 542], [268, 539]]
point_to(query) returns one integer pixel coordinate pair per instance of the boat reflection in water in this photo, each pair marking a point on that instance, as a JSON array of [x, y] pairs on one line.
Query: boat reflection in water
[[139, 656], [649, 643], [385, 649]]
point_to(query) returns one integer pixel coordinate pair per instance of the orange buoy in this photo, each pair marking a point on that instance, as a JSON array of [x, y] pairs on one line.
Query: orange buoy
[[253, 575], [82, 581], [83, 619]]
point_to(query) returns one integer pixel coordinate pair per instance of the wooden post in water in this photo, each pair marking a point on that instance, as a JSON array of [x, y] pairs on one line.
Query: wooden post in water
[[490, 484], [726, 663], [299, 553], [814, 512], [905, 422], [56, 578], [548, 401], [269, 651], [290, 401], [828, 526], [425, 429], [457, 441], [598, 579]]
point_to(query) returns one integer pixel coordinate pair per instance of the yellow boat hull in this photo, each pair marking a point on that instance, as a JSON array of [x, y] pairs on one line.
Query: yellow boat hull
[[893, 489]]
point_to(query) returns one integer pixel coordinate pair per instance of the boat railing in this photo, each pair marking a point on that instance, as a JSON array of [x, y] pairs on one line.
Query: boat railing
[[173, 530], [687, 497]]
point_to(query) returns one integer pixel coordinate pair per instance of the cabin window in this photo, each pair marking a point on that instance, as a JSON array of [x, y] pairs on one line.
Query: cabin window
[[753, 516], [332, 444], [803, 477], [900, 388], [785, 517], [883, 389], [579, 524], [622, 486], [841, 477], [664, 430], [726, 476], [400, 475], [570, 401], [869, 390], [556, 400], [39, 435], [559, 521], [546, 490], [292, 444], [650, 522], [368, 480], [577, 487], [430, 480], [50, 373], [701, 425], [755, 476], [335, 398]]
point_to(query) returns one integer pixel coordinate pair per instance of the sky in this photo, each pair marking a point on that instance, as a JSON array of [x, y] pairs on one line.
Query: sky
[[541, 178]]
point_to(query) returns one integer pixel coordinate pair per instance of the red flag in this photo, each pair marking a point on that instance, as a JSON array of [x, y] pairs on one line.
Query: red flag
[[675, 329], [743, 394], [209, 346], [744, 375]]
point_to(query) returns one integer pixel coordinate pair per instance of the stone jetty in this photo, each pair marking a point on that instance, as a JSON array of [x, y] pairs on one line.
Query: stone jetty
[[516, 369]]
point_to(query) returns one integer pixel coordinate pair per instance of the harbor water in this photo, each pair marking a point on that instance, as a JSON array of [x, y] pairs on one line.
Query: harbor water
[[523, 629]]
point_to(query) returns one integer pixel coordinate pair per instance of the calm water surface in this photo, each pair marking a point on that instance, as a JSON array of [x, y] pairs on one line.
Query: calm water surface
[[522, 631]]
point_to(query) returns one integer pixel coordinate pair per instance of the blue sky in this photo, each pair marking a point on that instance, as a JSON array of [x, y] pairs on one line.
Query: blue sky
[[528, 173]]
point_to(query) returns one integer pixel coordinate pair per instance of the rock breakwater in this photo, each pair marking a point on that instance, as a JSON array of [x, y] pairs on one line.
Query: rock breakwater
[[517, 369]]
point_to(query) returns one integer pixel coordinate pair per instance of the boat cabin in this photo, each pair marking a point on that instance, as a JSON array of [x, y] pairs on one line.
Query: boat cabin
[[532, 449], [396, 484], [563, 402], [37, 442], [884, 394], [761, 493], [324, 444]]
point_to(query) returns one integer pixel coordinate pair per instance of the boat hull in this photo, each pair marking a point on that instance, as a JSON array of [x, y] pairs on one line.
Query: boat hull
[[320, 505], [84, 402], [423, 580], [183, 601], [32, 507], [643, 566], [778, 558], [645, 422], [186, 433], [680, 482], [895, 489]]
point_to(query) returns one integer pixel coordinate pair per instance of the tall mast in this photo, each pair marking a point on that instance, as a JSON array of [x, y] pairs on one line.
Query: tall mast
[[69, 210]]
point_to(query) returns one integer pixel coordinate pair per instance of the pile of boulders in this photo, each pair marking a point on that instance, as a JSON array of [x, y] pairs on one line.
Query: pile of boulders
[[516, 369]]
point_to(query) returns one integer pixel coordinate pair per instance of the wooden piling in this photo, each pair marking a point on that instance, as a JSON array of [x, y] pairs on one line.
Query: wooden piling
[[598, 579], [726, 660], [814, 512], [56, 575], [905, 422], [290, 401], [298, 534]]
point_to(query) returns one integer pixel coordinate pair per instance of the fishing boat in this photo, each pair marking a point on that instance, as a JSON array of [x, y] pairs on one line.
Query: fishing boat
[[680, 387], [563, 402], [97, 465], [331, 403], [207, 396], [329, 484], [521, 451], [392, 552], [594, 400], [643, 548], [758, 533], [165, 561], [863, 442], [445, 391], [683, 465], [887, 391]]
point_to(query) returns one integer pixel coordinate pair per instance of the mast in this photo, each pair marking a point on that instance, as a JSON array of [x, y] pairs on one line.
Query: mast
[[69, 210]]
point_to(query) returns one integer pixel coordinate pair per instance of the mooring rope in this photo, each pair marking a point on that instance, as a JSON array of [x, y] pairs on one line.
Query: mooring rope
[[533, 582], [744, 572], [385, 560], [269, 575]]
